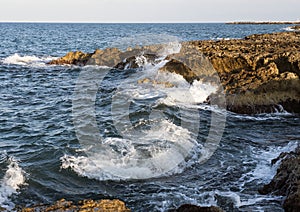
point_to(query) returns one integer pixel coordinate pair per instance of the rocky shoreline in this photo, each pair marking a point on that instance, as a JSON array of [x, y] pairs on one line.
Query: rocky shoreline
[[259, 73], [264, 22], [286, 182], [105, 205]]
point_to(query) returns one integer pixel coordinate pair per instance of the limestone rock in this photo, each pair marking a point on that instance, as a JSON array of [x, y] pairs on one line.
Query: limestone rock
[[258, 73], [286, 182], [82, 206], [72, 58]]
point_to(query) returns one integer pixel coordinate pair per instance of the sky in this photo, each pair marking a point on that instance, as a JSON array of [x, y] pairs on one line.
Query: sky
[[120, 11]]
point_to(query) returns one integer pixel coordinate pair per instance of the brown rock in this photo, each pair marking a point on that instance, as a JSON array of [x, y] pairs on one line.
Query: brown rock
[[72, 58], [258, 73], [82, 206], [175, 66], [286, 182]]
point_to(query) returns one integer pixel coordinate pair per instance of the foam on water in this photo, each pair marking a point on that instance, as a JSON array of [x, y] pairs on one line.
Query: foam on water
[[13, 179], [264, 171], [290, 29], [27, 60], [136, 157]]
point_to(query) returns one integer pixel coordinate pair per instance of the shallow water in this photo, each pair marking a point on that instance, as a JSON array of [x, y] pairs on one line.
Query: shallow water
[[160, 137]]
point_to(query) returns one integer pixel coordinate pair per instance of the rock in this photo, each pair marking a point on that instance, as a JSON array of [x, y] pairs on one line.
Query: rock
[[286, 182], [174, 66], [194, 208], [155, 82], [137, 61], [297, 27], [259, 73], [85, 205], [107, 57], [72, 58]]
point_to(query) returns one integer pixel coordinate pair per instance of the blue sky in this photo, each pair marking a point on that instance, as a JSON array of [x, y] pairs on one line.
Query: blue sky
[[148, 10]]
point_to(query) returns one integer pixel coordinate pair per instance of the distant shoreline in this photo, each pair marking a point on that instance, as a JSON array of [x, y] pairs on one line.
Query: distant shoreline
[[264, 22]]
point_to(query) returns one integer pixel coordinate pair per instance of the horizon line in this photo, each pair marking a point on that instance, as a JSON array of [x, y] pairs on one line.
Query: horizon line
[[115, 22]]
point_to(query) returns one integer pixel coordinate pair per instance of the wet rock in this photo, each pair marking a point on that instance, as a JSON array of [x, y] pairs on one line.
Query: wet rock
[[259, 73], [155, 82], [194, 208], [175, 66], [286, 182], [85, 205], [138, 61], [297, 27]]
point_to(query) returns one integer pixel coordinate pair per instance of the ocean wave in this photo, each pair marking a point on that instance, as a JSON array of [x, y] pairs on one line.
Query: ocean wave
[[27, 60], [290, 29], [160, 152], [13, 179], [264, 171], [262, 117]]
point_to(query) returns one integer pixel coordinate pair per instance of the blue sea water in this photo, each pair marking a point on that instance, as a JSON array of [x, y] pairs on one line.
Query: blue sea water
[[42, 159]]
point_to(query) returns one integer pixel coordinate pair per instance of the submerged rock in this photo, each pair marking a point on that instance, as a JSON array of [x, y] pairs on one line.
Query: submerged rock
[[286, 182], [195, 208], [85, 205]]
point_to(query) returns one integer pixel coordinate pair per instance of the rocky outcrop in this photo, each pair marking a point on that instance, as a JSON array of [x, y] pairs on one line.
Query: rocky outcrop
[[82, 206], [259, 74], [296, 28], [264, 22], [195, 208], [286, 182], [72, 58]]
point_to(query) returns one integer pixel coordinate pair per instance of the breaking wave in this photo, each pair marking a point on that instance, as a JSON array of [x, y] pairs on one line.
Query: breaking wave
[[13, 179], [27, 60]]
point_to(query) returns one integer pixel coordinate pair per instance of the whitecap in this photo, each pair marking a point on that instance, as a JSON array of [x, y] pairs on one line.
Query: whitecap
[[13, 179], [160, 152], [264, 171], [27, 60]]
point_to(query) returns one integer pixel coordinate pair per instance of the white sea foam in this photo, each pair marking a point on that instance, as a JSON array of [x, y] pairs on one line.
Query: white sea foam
[[10, 184], [264, 171], [159, 152], [140, 154], [290, 29], [262, 117], [27, 60]]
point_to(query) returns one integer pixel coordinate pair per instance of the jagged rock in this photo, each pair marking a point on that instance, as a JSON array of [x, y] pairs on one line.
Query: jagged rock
[[195, 208], [107, 57], [82, 206], [258, 73], [72, 58], [155, 82], [137, 61], [297, 27], [174, 66], [286, 182]]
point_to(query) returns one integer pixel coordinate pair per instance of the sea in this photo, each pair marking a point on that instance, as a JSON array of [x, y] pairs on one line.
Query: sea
[[95, 132]]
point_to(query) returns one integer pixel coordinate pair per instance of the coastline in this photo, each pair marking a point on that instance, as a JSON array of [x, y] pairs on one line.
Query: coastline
[[259, 73], [263, 22]]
